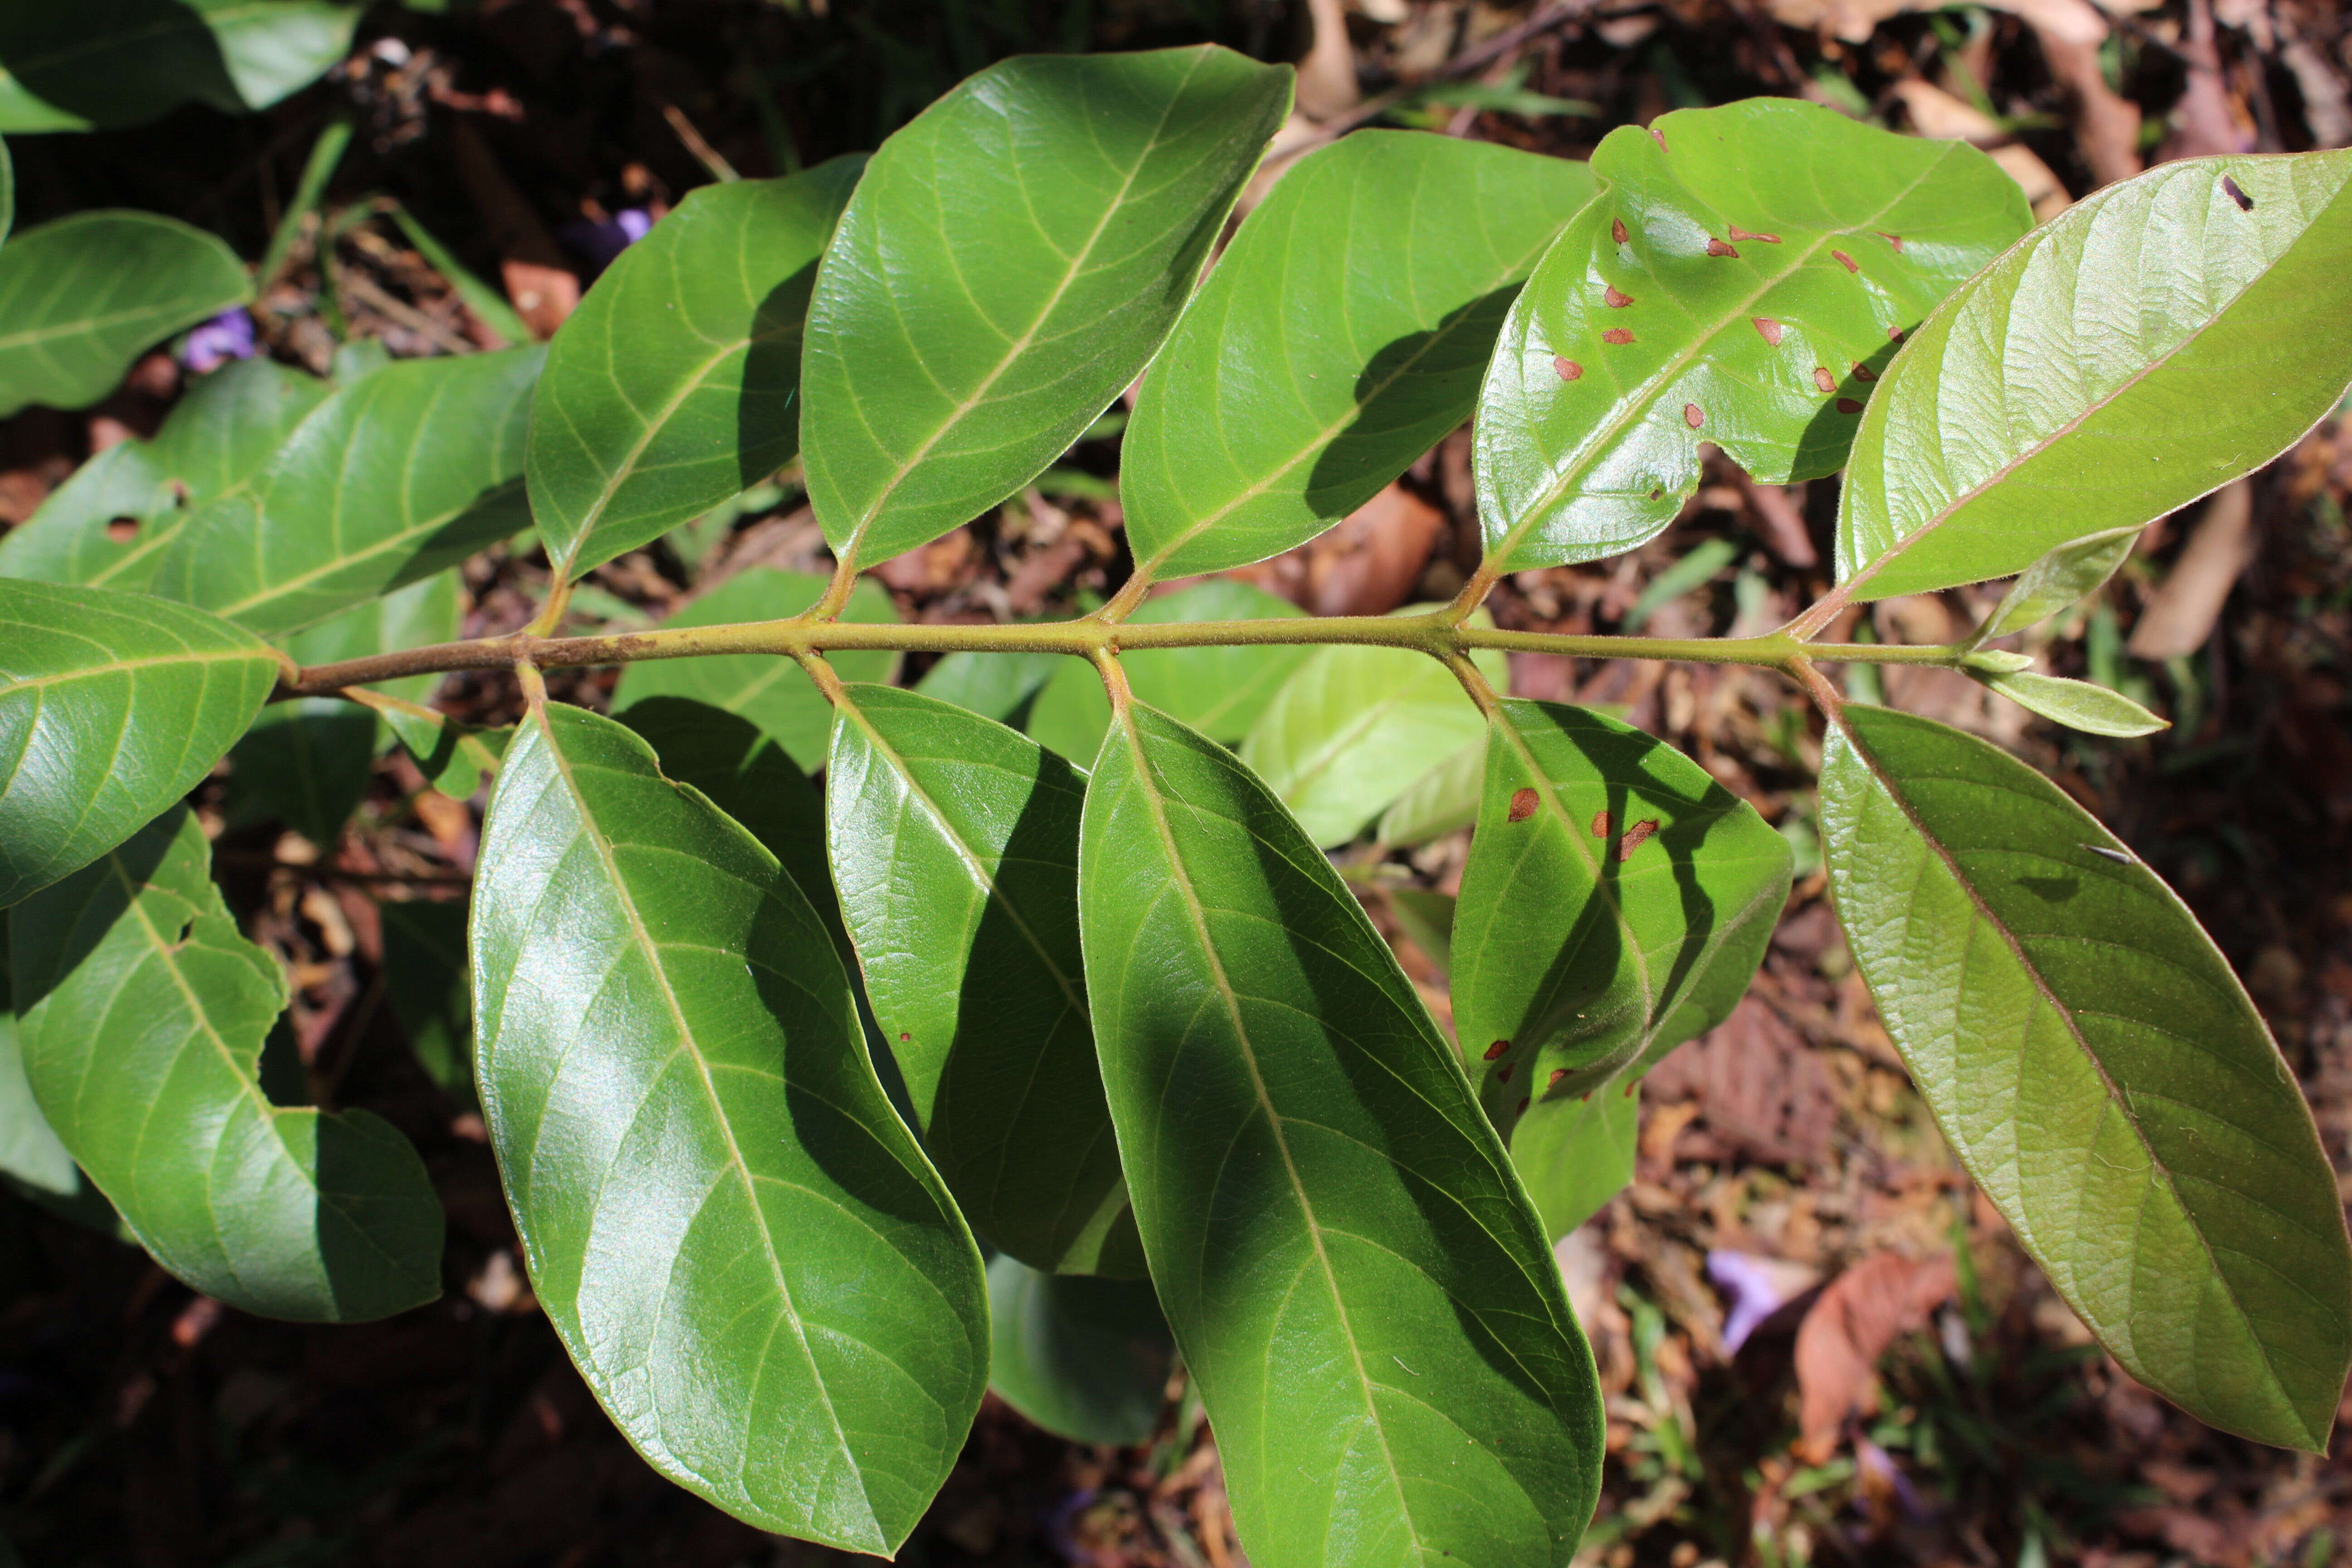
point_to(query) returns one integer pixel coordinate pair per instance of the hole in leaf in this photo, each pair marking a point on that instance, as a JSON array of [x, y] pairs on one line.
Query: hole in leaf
[[122, 530], [2245, 203]]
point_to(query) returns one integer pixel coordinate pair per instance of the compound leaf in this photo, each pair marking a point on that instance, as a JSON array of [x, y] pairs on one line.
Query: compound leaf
[[1341, 335], [84, 296], [215, 439], [2099, 1070], [954, 843], [1218, 691], [395, 477], [1086, 1358], [1609, 883], [141, 1011], [1008, 263], [1354, 1277], [675, 385], [110, 63], [1744, 273], [111, 707], [769, 690], [2154, 341], [737, 1239]]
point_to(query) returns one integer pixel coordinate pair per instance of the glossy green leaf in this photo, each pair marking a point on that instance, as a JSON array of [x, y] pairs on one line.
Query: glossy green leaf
[[392, 479], [29, 1149], [1218, 691], [216, 439], [100, 64], [2152, 342], [994, 685], [111, 707], [1086, 1358], [1010, 262], [1610, 882], [2077, 704], [424, 984], [1576, 1154], [1354, 726], [1360, 1288], [2073, 572], [84, 296], [1999, 662], [1442, 801], [141, 1011], [740, 1245], [675, 385], [770, 691], [954, 843], [2098, 1069], [1772, 255], [1341, 335]]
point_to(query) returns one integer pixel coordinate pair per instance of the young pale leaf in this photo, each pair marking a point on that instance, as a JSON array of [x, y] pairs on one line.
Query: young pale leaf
[[29, 1149], [1610, 882], [1086, 1358], [675, 385], [769, 690], [214, 440], [1009, 262], [2099, 1070], [1341, 336], [954, 843], [2077, 704], [109, 63], [1441, 801], [1743, 276], [2073, 572], [393, 478], [111, 707], [1353, 728], [1351, 1270], [740, 1245], [2154, 341], [82, 297], [994, 685], [141, 1011], [1577, 1154], [1218, 691]]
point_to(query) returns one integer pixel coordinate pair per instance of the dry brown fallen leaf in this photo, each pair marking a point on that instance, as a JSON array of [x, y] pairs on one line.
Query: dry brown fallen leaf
[[1855, 20], [2106, 125], [1364, 565], [1866, 1309], [1762, 1090], [1938, 114], [2183, 610]]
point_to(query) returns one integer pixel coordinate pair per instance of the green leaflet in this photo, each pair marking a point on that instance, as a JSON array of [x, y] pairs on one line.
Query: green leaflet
[[1351, 1270], [1218, 691], [2077, 704], [109, 63], [424, 985], [2099, 1070], [216, 438], [84, 296], [1610, 883], [1086, 1358], [454, 758], [29, 1149], [769, 690], [1009, 262], [737, 1239], [395, 477], [1341, 336], [111, 707], [675, 385], [289, 1212], [994, 685], [2152, 342], [2073, 572], [954, 843], [1441, 801], [1577, 1154], [1354, 726], [1772, 255]]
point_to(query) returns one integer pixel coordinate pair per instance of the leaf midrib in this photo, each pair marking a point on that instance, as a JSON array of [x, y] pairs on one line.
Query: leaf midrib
[[123, 665]]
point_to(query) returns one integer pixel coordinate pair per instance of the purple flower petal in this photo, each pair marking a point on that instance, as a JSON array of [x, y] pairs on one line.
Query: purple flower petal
[[226, 336]]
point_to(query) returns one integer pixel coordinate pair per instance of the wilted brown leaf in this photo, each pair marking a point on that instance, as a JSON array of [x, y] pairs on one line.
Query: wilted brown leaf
[[1758, 1086], [1864, 1310]]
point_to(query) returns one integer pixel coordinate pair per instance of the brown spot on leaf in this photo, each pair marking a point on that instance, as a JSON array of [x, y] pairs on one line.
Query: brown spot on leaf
[[1717, 247], [1658, 135], [1615, 298], [1524, 1103], [1894, 334], [2245, 203], [1600, 825], [1845, 261], [904, 1036], [1824, 379], [1849, 406], [1739, 233], [1503, 1073], [1894, 239], [1497, 1048], [1693, 416], [1635, 836], [1658, 493], [1522, 805], [1769, 329], [1617, 229], [1569, 369], [1863, 373], [1557, 1074], [1616, 335], [122, 530]]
